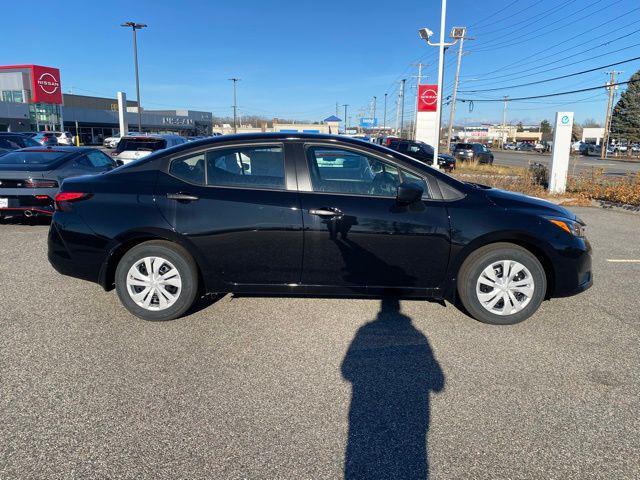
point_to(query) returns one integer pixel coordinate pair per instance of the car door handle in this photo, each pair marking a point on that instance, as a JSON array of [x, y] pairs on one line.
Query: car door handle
[[325, 212], [182, 197]]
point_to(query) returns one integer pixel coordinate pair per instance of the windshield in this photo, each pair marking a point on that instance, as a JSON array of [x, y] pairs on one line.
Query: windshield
[[464, 146], [141, 144], [31, 158]]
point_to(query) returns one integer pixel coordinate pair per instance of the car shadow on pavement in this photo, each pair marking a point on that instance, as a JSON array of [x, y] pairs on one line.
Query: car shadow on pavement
[[393, 373]]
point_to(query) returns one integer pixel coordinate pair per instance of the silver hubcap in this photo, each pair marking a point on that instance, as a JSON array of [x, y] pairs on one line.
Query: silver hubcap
[[505, 287], [154, 283]]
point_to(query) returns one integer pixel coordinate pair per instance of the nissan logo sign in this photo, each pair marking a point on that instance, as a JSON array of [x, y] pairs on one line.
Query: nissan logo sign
[[48, 83], [429, 97]]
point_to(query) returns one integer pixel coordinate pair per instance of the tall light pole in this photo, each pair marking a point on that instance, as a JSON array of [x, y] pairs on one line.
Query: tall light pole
[[235, 104], [134, 27], [345, 117], [425, 34]]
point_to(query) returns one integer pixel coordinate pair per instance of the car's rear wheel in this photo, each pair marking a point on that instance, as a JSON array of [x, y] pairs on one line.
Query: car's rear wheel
[[157, 280], [501, 284]]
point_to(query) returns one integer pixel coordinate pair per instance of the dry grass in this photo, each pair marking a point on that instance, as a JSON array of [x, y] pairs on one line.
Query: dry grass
[[581, 189]]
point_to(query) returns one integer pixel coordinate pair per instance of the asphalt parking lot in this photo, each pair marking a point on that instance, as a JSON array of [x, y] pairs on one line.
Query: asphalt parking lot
[[578, 164], [267, 388]]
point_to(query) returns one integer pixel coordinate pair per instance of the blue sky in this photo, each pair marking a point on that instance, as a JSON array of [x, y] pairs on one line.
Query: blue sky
[[297, 59]]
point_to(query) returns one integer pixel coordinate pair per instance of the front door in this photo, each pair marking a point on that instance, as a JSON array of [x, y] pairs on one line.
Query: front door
[[236, 207], [356, 234]]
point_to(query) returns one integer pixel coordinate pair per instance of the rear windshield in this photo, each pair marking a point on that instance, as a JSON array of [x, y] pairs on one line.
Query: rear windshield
[[141, 144], [13, 142], [31, 158], [464, 145]]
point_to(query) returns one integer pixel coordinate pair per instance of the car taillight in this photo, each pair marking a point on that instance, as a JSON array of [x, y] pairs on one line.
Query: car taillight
[[35, 183], [63, 199]]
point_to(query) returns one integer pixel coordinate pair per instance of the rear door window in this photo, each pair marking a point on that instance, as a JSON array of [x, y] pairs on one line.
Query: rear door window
[[255, 166]]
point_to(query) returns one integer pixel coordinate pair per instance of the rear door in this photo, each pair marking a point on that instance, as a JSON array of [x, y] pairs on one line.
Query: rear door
[[238, 206]]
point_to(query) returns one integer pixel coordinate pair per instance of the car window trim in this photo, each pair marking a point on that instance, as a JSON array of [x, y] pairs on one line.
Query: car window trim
[[225, 147], [433, 193]]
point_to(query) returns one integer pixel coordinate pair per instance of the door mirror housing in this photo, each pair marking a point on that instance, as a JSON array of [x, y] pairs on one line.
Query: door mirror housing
[[409, 193]]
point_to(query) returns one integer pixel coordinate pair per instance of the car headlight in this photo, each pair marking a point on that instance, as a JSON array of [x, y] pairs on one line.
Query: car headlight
[[576, 228]]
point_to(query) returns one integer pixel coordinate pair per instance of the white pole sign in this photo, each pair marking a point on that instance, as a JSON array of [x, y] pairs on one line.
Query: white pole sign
[[560, 153], [122, 113]]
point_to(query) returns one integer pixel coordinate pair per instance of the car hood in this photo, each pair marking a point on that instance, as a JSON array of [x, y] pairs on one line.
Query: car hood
[[512, 200]]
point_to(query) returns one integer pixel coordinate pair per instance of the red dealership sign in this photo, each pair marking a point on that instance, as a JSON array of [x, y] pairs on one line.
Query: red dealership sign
[[427, 98], [46, 85], [45, 82]]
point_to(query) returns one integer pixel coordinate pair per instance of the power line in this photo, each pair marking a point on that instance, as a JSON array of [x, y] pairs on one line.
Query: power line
[[563, 42], [547, 95], [516, 14], [473, 25], [589, 50], [539, 31], [552, 79]]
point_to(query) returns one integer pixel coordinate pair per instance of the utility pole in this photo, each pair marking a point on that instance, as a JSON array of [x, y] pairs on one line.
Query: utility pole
[[504, 121], [452, 110], [337, 107], [235, 105], [77, 129], [415, 115], [401, 100], [384, 117], [373, 117], [607, 118], [345, 117]]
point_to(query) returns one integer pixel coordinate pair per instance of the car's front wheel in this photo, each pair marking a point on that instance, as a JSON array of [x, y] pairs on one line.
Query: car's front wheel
[[157, 280], [501, 284]]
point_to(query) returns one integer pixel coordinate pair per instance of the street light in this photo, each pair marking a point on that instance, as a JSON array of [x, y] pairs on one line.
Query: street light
[[235, 104], [136, 26], [426, 35]]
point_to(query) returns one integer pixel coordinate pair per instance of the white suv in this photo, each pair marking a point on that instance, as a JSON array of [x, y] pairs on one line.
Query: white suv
[[133, 147]]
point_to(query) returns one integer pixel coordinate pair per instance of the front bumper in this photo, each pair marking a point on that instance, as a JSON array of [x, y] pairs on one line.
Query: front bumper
[[573, 270]]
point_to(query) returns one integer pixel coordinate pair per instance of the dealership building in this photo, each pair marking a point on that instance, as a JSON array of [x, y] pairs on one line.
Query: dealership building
[[31, 99]]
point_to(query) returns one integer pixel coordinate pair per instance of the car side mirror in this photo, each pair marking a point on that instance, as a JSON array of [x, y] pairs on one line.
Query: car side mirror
[[119, 163], [408, 193]]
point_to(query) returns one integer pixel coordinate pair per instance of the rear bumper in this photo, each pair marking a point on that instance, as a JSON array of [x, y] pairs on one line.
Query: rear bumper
[[29, 201], [71, 252]]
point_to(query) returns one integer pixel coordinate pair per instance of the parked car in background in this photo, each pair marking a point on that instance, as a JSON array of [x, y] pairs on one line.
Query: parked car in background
[[134, 147], [509, 146], [46, 138], [296, 213], [13, 141], [64, 138], [473, 152], [30, 177], [423, 152], [525, 147]]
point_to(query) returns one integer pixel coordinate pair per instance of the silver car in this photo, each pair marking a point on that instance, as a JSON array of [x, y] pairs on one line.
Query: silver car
[[30, 178]]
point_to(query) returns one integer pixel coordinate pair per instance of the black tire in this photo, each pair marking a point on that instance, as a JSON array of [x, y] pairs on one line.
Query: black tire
[[473, 267], [181, 260]]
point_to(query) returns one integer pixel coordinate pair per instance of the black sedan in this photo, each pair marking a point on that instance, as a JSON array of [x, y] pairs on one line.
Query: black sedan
[[473, 152], [30, 177], [311, 214], [14, 141], [423, 152]]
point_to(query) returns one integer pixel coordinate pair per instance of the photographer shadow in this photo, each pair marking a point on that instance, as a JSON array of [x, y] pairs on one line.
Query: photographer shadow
[[392, 370]]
